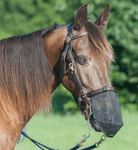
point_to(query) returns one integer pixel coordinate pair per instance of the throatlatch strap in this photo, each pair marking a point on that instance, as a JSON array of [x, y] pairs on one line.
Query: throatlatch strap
[[63, 63]]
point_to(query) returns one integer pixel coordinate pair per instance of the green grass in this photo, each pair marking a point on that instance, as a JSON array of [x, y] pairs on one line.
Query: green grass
[[64, 132]]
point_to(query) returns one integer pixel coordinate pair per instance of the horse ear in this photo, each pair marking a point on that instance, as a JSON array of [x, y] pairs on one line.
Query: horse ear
[[102, 20], [81, 17]]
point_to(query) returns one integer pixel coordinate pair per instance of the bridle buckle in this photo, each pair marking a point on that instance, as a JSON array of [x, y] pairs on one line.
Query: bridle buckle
[[105, 88], [71, 68]]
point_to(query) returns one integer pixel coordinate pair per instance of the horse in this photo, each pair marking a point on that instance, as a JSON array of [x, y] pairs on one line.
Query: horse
[[32, 66]]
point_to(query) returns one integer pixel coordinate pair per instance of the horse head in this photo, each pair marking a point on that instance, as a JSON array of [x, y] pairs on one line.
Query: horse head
[[84, 69]]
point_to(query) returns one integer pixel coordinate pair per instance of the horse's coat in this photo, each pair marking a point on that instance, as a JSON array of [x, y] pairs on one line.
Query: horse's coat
[[30, 70]]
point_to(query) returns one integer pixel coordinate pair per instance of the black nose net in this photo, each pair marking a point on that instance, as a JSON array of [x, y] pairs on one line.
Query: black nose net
[[107, 113]]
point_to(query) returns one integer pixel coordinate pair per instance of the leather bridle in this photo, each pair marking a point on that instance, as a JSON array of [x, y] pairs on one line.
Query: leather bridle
[[71, 71]]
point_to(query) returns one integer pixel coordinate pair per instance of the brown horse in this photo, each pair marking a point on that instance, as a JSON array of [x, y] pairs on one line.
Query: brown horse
[[30, 70]]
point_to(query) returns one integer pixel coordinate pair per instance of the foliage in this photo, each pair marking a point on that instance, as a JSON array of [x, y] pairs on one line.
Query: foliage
[[25, 16], [62, 101]]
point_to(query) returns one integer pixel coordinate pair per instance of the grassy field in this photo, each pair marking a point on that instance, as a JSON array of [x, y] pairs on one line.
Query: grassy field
[[64, 132]]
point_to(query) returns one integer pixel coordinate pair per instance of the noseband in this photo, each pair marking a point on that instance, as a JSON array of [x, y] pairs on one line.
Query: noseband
[[71, 71]]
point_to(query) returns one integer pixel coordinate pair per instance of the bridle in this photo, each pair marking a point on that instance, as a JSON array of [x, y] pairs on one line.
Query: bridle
[[72, 71]]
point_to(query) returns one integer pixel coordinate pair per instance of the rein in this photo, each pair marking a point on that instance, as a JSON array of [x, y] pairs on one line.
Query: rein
[[80, 144]]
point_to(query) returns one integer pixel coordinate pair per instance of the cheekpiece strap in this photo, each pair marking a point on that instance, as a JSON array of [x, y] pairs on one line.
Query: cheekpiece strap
[[63, 56], [72, 69]]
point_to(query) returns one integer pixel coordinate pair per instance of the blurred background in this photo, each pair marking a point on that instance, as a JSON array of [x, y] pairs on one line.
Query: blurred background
[[65, 122]]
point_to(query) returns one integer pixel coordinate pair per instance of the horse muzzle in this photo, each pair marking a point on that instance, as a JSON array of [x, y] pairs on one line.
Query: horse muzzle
[[106, 114]]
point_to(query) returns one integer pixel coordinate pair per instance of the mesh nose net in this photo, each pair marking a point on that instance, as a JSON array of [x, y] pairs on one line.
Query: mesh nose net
[[107, 113]]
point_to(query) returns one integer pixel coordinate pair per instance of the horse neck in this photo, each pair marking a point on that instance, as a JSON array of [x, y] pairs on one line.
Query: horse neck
[[53, 46], [12, 125]]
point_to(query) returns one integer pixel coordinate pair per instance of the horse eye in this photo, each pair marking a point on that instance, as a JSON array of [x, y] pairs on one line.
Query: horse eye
[[81, 60]]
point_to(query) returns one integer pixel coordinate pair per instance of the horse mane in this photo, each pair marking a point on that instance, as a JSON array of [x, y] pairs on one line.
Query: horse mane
[[25, 75], [99, 41], [52, 28]]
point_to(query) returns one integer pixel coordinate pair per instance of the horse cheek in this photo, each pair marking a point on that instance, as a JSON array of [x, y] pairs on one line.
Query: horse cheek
[[68, 84]]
